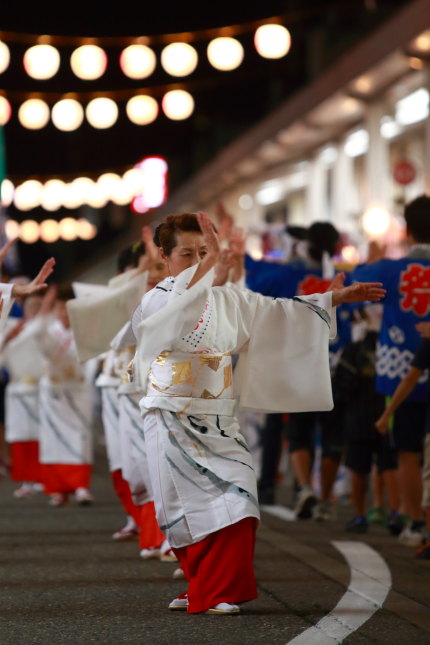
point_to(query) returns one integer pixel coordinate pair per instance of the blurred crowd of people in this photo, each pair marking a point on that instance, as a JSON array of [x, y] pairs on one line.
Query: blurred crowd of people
[[70, 355]]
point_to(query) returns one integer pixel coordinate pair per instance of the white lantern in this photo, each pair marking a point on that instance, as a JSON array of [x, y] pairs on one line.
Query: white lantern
[[5, 110], [225, 53], [179, 59], [7, 191], [97, 198], [86, 230], [53, 194], [68, 228], [72, 196], [109, 183], [134, 179], [49, 230], [29, 231], [4, 57], [33, 114], [11, 228], [178, 105], [272, 41], [88, 62], [41, 61], [67, 115], [28, 195], [83, 189], [142, 110], [137, 61], [101, 113]]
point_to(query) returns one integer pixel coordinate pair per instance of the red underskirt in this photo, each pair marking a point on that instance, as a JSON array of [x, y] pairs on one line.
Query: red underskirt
[[122, 489], [220, 568], [150, 534], [25, 465], [65, 478]]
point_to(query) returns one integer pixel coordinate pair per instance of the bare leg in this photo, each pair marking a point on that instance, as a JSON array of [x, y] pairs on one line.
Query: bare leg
[[392, 488], [302, 465], [411, 483], [329, 468], [358, 494]]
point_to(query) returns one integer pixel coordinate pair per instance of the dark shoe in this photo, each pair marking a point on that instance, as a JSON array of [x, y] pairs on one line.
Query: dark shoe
[[423, 551], [357, 525], [306, 501], [395, 524]]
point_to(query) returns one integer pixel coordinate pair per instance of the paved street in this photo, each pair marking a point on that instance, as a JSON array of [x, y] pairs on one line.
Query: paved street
[[64, 581]]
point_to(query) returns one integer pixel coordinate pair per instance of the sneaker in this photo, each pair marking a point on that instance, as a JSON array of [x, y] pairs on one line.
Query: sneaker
[[306, 501], [323, 511], [224, 608], [83, 497], [181, 602], [24, 491], [408, 537], [357, 525], [126, 533], [58, 499], [395, 524], [377, 516], [178, 574], [423, 551]]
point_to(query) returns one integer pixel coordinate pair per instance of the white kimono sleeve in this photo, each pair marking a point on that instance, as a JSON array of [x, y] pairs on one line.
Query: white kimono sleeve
[[6, 294], [96, 320], [286, 365]]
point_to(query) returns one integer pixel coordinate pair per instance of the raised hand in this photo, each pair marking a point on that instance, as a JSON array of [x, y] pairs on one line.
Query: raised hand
[[151, 248], [209, 235], [222, 268], [382, 423], [357, 292], [38, 283], [48, 300]]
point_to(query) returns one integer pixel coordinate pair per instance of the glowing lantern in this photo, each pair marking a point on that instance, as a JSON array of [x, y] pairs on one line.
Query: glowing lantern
[[88, 62], [179, 59], [82, 188], [225, 54], [109, 183], [86, 230], [142, 110], [28, 195], [67, 115], [376, 222], [49, 230], [53, 194], [272, 41], [33, 114], [97, 198], [72, 196], [134, 180], [178, 105], [68, 228], [102, 113], [41, 61], [137, 61], [11, 228], [4, 57], [5, 110], [154, 184], [7, 191], [29, 231]]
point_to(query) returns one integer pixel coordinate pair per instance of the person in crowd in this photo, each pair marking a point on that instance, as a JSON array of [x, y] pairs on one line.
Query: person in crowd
[[355, 382], [302, 277], [201, 471], [420, 363], [66, 445], [20, 355], [407, 303]]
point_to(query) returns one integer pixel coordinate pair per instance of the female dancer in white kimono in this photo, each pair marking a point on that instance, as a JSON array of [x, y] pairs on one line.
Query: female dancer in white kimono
[[201, 471]]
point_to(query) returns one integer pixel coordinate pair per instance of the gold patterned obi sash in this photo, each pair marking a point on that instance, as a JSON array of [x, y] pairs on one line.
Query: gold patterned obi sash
[[191, 383]]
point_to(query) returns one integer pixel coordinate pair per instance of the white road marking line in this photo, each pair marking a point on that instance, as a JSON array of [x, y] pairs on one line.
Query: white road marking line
[[368, 588], [279, 511]]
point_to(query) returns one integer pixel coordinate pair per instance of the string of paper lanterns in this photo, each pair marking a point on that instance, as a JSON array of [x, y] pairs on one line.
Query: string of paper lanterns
[[51, 230], [137, 61], [146, 183], [68, 114]]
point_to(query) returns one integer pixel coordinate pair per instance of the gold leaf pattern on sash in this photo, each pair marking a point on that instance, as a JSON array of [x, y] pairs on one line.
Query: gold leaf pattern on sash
[[211, 361], [228, 376], [161, 358], [181, 372]]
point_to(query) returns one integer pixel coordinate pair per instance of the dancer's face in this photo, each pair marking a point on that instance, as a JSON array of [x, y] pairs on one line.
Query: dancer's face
[[189, 250]]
